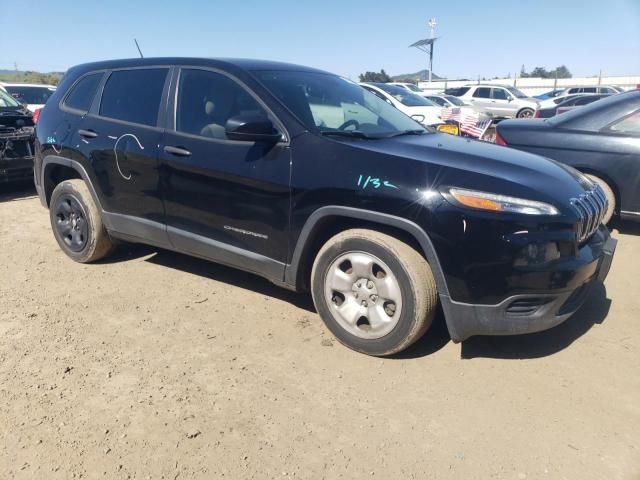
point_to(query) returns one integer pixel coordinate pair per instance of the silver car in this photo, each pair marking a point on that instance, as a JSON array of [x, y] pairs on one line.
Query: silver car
[[498, 100]]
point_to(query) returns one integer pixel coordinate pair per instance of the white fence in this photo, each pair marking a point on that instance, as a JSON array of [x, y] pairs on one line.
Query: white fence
[[536, 86]]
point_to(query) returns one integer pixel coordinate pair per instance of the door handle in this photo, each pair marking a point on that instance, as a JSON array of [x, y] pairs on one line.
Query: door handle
[[88, 133], [178, 151]]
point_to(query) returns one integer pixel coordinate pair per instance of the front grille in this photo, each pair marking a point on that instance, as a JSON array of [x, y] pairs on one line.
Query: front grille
[[591, 207]]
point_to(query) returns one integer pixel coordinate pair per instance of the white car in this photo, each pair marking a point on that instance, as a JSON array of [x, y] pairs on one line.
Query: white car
[[413, 88], [416, 106], [34, 96]]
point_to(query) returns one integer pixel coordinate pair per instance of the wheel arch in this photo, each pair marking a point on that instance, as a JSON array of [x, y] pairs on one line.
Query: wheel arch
[[327, 221], [56, 169], [600, 174]]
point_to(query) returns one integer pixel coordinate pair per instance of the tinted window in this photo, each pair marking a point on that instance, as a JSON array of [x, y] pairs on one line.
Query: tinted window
[[590, 90], [500, 94], [440, 101], [482, 92], [457, 92], [82, 93], [585, 100], [133, 95], [31, 95], [206, 100]]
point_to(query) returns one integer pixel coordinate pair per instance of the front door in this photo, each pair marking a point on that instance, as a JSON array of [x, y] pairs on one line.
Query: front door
[[225, 199]]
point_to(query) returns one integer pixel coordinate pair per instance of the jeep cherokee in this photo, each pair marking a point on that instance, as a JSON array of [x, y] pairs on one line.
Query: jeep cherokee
[[309, 180]]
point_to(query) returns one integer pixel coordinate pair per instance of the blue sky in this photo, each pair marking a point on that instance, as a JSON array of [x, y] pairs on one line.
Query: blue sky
[[486, 38]]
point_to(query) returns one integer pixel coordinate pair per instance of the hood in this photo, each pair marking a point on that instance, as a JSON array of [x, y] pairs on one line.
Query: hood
[[512, 172]]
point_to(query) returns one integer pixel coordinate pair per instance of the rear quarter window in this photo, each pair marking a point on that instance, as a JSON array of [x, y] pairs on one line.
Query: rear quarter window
[[134, 95], [82, 93]]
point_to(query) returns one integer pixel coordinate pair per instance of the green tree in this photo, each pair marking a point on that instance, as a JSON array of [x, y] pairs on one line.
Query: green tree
[[381, 77]]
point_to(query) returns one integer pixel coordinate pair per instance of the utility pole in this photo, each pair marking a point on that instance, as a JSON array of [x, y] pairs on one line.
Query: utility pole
[[426, 45], [432, 25]]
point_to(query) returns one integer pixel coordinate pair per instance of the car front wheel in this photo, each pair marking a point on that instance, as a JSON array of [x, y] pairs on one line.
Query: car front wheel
[[374, 292]]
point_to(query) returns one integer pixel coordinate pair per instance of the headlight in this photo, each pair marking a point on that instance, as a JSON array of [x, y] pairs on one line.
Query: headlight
[[501, 203]]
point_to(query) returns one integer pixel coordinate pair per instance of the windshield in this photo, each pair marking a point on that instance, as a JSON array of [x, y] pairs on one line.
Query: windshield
[[31, 95], [7, 101], [516, 93], [413, 88], [327, 103], [455, 100], [405, 97]]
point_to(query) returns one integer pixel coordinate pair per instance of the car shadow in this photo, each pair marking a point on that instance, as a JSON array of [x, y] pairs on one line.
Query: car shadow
[[626, 227], [542, 344], [435, 339], [17, 191], [221, 273]]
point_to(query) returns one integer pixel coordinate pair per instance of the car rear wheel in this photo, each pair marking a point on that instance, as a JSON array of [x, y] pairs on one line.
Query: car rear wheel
[[374, 292], [76, 222], [525, 113], [611, 197]]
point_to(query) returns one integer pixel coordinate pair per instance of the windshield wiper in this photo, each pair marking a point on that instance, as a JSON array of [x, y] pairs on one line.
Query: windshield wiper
[[415, 131], [346, 133]]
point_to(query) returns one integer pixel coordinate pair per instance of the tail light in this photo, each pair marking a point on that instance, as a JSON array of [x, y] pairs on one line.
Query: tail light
[[500, 140], [36, 116], [537, 114]]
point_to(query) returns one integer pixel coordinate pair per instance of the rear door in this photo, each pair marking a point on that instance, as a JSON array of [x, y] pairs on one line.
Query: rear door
[[120, 136], [226, 200]]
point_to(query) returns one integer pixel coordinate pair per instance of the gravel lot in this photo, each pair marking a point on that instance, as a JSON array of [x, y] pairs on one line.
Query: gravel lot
[[155, 365]]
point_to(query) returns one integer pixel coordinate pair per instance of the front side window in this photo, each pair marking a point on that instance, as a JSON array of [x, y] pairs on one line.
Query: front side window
[[590, 90], [440, 101], [207, 100], [134, 95], [326, 103], [482, 92], [500, 94], [82, 93]]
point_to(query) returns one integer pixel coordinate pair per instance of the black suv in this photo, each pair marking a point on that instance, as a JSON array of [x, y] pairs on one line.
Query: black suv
[[309, 180]]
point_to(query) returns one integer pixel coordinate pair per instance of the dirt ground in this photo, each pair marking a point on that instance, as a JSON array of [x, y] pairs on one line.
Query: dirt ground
[[155, 365]]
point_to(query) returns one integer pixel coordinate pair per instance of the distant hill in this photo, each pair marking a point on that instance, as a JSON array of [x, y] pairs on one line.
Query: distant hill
[[50, 78], [421, 76]]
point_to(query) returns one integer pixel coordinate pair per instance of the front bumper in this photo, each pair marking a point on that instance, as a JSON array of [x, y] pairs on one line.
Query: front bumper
[[531, 312]]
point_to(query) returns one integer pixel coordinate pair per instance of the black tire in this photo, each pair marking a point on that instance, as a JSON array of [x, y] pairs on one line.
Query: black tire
[[76, 222], [608, 192], [414, 279], [525, 113]]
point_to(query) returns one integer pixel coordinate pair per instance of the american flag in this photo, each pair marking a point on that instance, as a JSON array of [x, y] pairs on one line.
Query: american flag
[[450, 113], [472, 125]]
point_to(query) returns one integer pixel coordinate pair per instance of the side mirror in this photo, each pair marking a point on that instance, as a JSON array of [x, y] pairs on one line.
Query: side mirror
[[252, 128]]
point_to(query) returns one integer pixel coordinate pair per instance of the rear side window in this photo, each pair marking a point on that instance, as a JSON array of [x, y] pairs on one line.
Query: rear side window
[[482, 92], [629, 124], [134, 95], [82, 93]]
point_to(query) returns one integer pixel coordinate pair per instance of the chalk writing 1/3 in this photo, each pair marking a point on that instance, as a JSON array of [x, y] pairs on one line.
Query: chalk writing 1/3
[[373, 182]]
